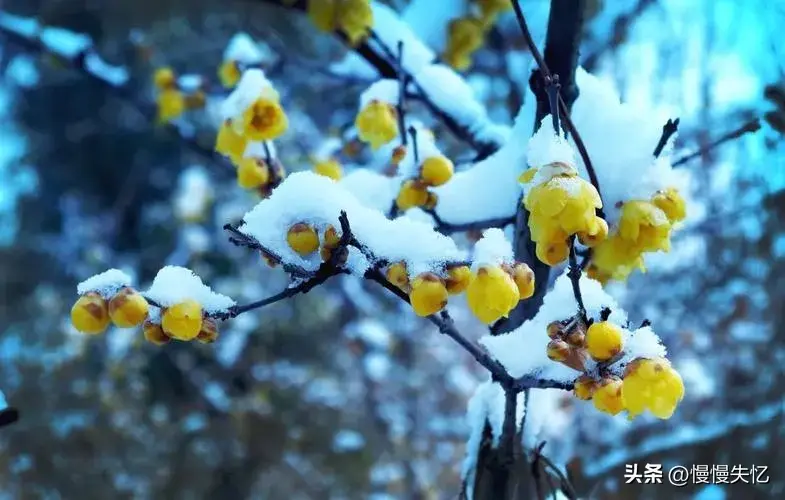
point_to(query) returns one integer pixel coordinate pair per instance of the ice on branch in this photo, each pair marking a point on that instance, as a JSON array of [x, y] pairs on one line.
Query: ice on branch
[[493, 249], [105, 284], [523, 351], [252, 86], [317, 201], [174, 285], [486, 405], [620, 139]]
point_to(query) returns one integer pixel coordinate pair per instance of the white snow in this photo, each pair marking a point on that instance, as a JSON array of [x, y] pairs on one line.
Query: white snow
[[175, 284], [327, 149], [257, 149], [642, 342], [116, 75], [391, 29], [429, 19], [190, 82], [317, 200], [487, 404], [546, 147], [252, 86], [65, 42], [106, 284], [372, 189], [492, 249], [243, 49], [384, 90], [25, 26], [194, 193]]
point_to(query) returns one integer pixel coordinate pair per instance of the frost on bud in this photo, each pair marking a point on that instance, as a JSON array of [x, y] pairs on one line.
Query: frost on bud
[[558, 350], [182, 321], [436, 170], [398, 275], [128, 308], [154, 334], [90, 313], [603, 340], [458, 279], [412, 194], [584, 387], [524, 279], [252, 173], [428, 295], [302, 238], [209, 331]]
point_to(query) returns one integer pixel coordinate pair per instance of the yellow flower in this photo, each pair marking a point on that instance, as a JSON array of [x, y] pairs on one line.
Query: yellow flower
[[229, 73], [524, 280], [252, 173], [329, 168], [528, 175], [608, 396], [671, 202], [128, 308], [412, 194], [492, 294], [154, 334], [183, 320], [436, 170], [492, 8], [323, 14], [398, 275], [331, 238], [377, 123], [171, 104], [566, 201], [552, 252], [164, 78], [428, 295], [603, 340], [458, 61], [302, 238], [90, 313], [264, 120], [584, 387], [645, 226], [458, 279], [355, 18], [229, 143], [652, 384], [464, 35], [615, 258], [595, 234]]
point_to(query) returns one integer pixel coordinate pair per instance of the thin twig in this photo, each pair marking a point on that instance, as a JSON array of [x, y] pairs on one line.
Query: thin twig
[[752, 125], [401, 95], [574, 274], [670, 128]]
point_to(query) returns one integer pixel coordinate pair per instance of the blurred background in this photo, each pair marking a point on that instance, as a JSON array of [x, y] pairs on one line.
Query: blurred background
[[343, 393]]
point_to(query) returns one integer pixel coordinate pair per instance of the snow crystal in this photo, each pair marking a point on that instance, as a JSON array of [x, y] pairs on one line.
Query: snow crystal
[[372, 189], [546, 147], [116, 75], [106, 284], [175, 284], [243, 49], [385, 90], [65, 42], [487, 404], [523, 351], [492, 249], [252, 86], [311, 198]]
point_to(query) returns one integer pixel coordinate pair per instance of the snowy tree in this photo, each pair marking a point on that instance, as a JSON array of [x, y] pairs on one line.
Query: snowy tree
[[571, 199]]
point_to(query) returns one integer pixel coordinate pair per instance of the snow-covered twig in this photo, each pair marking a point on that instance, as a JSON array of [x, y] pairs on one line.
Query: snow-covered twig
[[750, 126]]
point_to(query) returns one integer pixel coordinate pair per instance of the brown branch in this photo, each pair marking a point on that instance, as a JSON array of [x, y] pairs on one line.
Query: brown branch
[[670, 128], [748, 127]]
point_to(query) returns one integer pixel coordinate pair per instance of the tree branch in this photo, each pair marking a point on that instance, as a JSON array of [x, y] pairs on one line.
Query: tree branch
[[750, 126], [670, 128]]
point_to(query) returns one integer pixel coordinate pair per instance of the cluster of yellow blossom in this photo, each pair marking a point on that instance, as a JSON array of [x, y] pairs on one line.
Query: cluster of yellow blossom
[[353, 17], [434, 171], [650, 384], [91, 313], [562, 206], [644, 226], [465, 35], [492, 291], [304, 239], [172, 102], [377, 123]]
